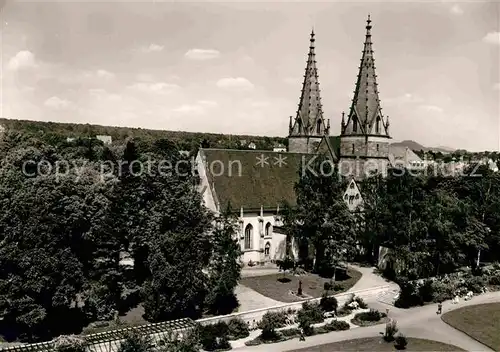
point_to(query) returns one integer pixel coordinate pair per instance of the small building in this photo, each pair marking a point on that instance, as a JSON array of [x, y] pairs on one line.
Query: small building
[[279, 148], [104, 138], [70, 139], [252, 145]]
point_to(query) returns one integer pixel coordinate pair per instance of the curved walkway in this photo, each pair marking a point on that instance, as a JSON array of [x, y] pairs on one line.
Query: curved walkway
[[421, 322]]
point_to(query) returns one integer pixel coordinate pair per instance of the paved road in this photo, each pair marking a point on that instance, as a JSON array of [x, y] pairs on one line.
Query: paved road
[[422, 322]]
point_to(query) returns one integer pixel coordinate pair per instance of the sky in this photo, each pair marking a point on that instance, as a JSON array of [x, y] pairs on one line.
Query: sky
[[237, 67]]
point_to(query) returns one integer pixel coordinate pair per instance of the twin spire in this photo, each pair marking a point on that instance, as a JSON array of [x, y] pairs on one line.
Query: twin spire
[[365, 115], [309, 118]]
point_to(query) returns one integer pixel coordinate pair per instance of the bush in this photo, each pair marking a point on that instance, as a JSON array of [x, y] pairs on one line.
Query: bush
[[214, 336], [391, 328], [290, 332], [361, 302], [371, 316], [344, 311], [134, 342], [309, 314], [69, 343], [475, 284], [426, 291], [401, 342], [238, 329], [337, 325], [328, 304], [409, 295], [269, 323], [495, 280]]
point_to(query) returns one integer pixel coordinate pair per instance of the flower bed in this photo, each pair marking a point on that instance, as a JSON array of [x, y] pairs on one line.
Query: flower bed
[[369, 318]]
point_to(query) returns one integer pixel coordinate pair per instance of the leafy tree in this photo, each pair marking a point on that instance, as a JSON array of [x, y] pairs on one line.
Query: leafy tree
[[135, 342], [224, 269]]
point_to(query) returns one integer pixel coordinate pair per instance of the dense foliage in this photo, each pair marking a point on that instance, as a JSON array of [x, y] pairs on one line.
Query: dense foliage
[[70, 211]]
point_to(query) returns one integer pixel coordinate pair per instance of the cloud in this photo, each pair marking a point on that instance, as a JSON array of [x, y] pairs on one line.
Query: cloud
[[406, 98], [190, 109], [202, 54], [105, 74], [102, 94], [456, 10], [431, 108], [492, 38], [57, 103], [238, 83], [152, 48], [22, 60], [157, 87], [496, 86], [208, 103]]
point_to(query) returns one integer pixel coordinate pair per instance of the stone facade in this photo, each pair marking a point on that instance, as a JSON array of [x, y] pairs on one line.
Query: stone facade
[[303, 144]]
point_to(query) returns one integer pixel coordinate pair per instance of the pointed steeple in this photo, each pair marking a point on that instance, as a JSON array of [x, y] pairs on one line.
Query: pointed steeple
[[309, 119], [365, 115]]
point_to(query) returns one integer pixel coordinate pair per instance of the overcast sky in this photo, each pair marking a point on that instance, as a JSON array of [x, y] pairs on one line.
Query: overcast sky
[[237, 67]]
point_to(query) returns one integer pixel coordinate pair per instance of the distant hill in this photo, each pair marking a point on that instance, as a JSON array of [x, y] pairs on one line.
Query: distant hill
[[417, 146], [185, 140]]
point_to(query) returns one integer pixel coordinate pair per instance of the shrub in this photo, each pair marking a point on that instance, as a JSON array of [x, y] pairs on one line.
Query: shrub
[[343, 311], [401, 342], [328, 304], [214, 336], [371, 316], [269, 323], [409, 295], [337, 325], [361, 302], [495, 280], [134, 342], [69, 343], [290, 332], [238, 329], [313, 311], [327, 286], [173, 342], [391, 328], [426, 291], [475, 284]]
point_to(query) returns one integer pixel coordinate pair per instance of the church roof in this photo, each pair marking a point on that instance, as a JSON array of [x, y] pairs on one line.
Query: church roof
[[253, 178], [398, 154], [365, 108], [310, 109]]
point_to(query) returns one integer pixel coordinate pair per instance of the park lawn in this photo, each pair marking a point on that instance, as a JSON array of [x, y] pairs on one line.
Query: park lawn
[[312, 284], [377, 344], [481, 322]]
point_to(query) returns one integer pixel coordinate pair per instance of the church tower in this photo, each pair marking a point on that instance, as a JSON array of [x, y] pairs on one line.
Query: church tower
[[308, 127], [364, 137]]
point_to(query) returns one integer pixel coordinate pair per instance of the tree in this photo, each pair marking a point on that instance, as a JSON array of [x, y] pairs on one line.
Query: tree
[[224, 270], [135, 342]]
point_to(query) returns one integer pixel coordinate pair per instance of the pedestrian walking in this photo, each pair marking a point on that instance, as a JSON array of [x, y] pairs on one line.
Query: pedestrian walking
[[440, 308], [302, 337]]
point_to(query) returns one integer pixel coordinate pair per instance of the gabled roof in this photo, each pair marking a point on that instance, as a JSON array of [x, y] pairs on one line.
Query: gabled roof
[[331, 146], [253, 178], [399, 155]]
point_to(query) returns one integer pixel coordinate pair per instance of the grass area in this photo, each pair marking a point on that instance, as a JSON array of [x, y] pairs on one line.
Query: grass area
[[377, 344], [312, 285], [481, 322]]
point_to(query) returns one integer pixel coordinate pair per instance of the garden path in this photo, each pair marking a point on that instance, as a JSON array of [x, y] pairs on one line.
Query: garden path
[[422, 322], [250, 299]]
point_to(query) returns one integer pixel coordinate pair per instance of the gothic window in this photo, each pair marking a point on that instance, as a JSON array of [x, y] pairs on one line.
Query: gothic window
[[354, 124], [357, 196], [353, 149], [248, 236], [377, 126], [346, 197], [318, 127], [267, 249], [268, 229], [351, 186], [377, 147], [299, 122]]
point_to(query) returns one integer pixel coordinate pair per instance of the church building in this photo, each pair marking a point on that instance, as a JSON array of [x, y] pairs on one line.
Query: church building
[[254, 183]]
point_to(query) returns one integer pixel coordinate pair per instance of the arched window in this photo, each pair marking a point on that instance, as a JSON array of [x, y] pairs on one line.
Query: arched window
[[318, 127], [267, 249], [377, 125], [346, 197], [357, 196], [354, 124], [248, 236], [378, 148], [269, 230], [299, 122], [353, 149]]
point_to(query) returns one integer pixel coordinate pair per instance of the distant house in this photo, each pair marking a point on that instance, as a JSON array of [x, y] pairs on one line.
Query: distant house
[[70, 139], [243, 142], [104, 139], [2, 128], [252, 145], [405, 157], [279, 148]]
